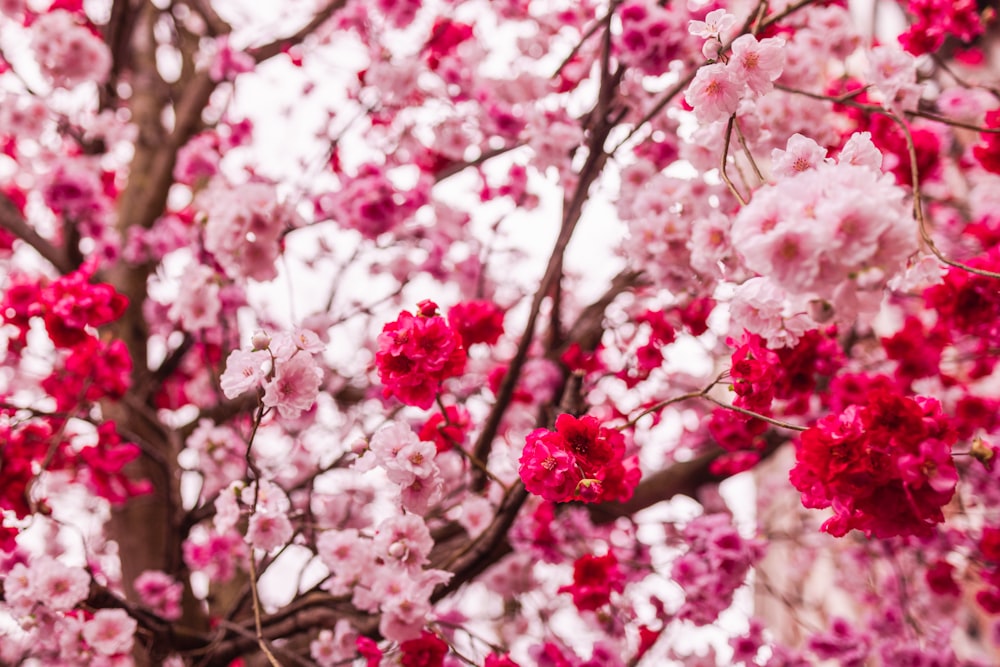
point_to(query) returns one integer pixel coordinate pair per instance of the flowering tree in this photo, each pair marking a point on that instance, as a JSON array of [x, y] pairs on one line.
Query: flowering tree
[[292, 386]]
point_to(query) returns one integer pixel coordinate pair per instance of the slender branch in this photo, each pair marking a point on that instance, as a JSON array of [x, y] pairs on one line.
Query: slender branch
[[747, 153], [271, 49], [755, 415], [725, 159], [12, 220]]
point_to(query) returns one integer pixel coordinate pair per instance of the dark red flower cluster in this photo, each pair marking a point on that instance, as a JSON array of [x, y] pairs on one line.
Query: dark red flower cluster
[[989, 547], [754, 374], [968, 303], [916, 351], [93, 370], [594, 579], [427, 650], [446, 433], [935, 20], [580, 460], [884, 467], [649, 355], [476, 322], [30, 446], [70, 306], [988, 150], [445, 37], [416, 353], [760, 376]]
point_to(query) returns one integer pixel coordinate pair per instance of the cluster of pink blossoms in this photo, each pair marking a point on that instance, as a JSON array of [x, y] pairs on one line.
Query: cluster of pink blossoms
[[283, 367], [748, 72], [68, 51], [384, 572], [243, 227], [42, 594], [936, 20], [828, 232], [714, 566], [579, 460], [883, 465], [371, 203], [652, 34], [416, 353], [408, 463]]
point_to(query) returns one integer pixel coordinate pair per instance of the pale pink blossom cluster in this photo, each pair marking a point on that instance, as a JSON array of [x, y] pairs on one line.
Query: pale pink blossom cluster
[[45, 581], [13, 9], [217, 554], [221, 456], [334, 647], [408, 462], [384, 572], [68, 53], [23, 116], [198, 159], [833, 231], [399, 13], [243, 227], [894, 73], [749, 72], [197, 305], [269, 527], [760, 305], [41, 593], [284, 367], [160, 592], [673, 227]]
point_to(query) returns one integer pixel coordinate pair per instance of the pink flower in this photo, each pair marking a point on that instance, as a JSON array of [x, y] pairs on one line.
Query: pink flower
[[347, 555], [756, 64], [404, 539], [269, 531], [714, 94], [294, 387], [60, 587], [110, 631], [420, 495], [67, 52], [859, 150], [801, 153], [161, 593], [333, 647], [197, 306], [894, 73], [715, 25], [244, 371]]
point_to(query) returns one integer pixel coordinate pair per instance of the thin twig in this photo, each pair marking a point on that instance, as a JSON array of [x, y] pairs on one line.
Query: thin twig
[[725, 159]]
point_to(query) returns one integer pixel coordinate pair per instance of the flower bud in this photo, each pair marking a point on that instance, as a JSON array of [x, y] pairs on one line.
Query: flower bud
[[260, 340]]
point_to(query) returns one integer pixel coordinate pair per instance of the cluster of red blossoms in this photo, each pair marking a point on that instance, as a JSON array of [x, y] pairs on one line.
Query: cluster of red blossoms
[[416, 353], [935, 20], [579, 460], [594, 578], [90, 369], [884, 466]]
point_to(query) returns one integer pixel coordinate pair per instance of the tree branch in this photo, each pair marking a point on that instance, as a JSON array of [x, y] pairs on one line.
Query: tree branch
[[12, 220]]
